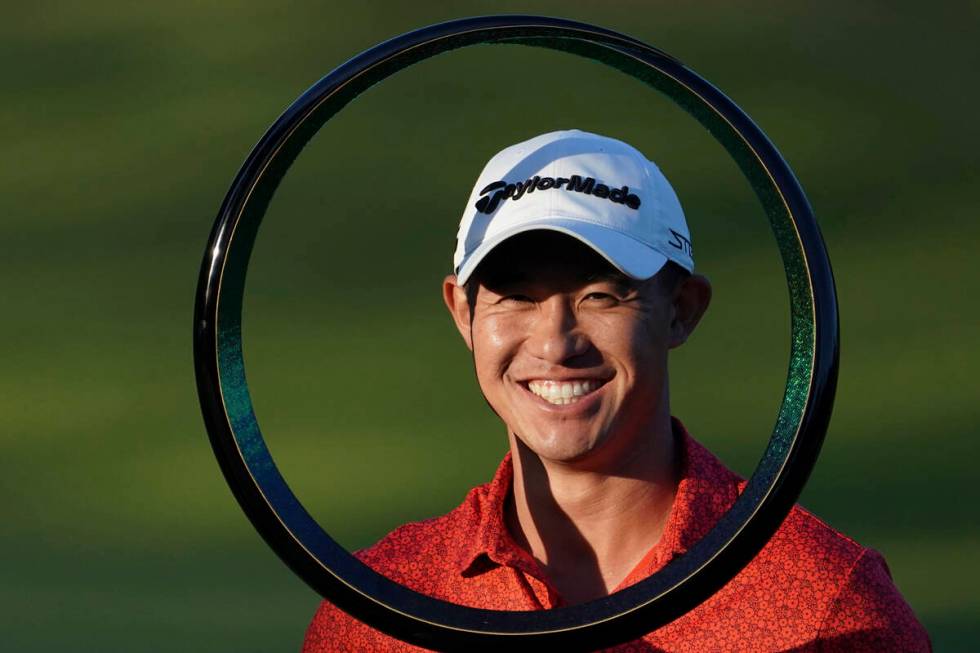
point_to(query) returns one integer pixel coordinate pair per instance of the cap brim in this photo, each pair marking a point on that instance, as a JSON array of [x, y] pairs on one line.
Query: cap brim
[[628, 255]]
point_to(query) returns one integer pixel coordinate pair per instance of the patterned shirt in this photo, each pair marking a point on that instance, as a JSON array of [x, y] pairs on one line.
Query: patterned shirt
[[809, 589]]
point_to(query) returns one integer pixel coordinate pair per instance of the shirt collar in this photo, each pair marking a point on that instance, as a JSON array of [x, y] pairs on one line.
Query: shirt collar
[[492, 545], [705, 491]]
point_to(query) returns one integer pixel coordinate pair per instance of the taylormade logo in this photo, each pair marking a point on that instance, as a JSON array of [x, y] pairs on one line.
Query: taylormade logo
[[488, 202]]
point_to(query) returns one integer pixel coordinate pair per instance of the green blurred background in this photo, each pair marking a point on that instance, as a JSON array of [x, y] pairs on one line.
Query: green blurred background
[[123, 126]]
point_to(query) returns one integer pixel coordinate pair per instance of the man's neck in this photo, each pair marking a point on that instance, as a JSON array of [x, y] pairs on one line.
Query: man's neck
[[589, 527]]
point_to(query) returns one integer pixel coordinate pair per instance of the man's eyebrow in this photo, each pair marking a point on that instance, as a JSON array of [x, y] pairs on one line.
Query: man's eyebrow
[[504, 278], [612, 276]]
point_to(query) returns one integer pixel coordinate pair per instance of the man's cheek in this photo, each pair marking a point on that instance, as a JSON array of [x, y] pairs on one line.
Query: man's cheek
[[495, 332]]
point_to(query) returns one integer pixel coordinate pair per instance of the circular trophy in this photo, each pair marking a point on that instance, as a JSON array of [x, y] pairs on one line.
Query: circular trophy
[[425, 621]]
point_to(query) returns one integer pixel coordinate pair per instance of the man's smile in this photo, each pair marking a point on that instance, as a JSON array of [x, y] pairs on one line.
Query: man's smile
[[563, 392]]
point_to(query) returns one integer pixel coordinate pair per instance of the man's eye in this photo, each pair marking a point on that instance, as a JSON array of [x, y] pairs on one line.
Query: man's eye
[[600, 296]]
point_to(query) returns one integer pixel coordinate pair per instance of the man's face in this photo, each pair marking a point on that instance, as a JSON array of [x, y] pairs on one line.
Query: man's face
[[571, 354]]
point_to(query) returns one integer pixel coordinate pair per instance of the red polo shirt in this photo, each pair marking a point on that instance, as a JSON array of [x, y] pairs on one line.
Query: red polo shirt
[[809, 589]]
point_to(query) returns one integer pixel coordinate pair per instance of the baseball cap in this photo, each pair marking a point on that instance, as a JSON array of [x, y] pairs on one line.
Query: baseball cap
[[599, 190]]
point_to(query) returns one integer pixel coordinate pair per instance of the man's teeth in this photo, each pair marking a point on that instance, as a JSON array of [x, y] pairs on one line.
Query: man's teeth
[[561, 393]]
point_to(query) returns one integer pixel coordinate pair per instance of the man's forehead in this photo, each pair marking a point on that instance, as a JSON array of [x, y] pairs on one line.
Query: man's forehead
[[533, 255]]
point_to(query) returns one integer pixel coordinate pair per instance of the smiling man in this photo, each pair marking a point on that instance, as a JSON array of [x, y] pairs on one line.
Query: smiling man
[[574, 278]]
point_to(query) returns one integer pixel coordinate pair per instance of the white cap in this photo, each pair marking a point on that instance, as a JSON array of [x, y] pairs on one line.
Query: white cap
[[599, 190]]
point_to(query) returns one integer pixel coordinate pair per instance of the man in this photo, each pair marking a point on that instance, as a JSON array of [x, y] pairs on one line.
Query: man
[[573, 280]]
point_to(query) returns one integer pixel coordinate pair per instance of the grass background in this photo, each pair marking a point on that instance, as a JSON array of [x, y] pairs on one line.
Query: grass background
[[123, 125]]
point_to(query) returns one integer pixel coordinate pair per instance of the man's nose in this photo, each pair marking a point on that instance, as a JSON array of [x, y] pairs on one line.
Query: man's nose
[[556, 335]]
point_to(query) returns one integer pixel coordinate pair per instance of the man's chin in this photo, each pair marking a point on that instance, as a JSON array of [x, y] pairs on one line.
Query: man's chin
[[564, 449]]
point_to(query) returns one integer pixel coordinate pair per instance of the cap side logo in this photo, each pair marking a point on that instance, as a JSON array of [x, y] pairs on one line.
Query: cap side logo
[[502, 190], [681, 242]]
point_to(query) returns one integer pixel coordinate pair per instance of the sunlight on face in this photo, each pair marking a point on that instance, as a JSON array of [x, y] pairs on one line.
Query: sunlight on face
[[570, 353]]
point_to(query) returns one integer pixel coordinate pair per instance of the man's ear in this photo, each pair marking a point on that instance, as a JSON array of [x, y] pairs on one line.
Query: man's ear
[[690, 301], [459, 308]]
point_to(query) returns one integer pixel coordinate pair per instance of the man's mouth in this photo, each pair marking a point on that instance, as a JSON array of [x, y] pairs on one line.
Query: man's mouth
[[562, 393]]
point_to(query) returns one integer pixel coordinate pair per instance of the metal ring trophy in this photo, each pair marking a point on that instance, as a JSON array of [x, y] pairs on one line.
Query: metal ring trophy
[[425, 621]]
